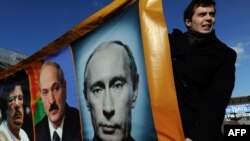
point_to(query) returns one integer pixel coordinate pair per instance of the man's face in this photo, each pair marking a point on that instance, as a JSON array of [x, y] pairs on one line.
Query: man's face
[[53, 94], [203, 20], [15, 108], [110, 94]]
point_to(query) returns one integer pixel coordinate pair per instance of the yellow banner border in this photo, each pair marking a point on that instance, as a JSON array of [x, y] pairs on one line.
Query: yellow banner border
[[159, 71]]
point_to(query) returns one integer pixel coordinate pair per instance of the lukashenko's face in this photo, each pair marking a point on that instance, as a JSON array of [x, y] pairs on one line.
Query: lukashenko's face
[[52, 91], [110, 94], [15, 113], [203, 20]]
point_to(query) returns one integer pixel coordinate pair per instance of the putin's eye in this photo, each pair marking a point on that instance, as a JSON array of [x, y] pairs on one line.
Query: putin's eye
[[117, 86], [97, 90]]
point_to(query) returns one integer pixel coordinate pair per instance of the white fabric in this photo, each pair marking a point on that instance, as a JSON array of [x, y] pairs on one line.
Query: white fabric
[[5, 131]]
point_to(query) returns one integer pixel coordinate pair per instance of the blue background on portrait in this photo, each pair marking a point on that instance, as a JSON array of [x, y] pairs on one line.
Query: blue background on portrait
[[124, 27], [64, 59]]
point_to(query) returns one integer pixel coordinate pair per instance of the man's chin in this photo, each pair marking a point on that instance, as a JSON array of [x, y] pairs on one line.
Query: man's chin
[[207, 31], [110, 137], [54, 118], [18, 123]]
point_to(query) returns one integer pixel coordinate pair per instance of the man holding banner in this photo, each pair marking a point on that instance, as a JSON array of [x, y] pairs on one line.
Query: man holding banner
[[61, 123], [110, 90], [204, 72]]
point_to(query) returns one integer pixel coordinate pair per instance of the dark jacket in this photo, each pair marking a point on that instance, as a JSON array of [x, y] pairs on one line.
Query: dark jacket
[[71, 127], [204, 74]]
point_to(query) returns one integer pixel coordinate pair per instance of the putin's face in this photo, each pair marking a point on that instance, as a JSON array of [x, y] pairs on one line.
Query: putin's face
[[110, 93]]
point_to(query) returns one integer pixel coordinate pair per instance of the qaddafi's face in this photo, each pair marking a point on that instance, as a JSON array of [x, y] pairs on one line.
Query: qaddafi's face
[[15, 113]]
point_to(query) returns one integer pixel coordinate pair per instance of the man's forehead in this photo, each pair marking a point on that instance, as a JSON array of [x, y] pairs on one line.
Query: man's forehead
[[48, 70], [109, 52], [48, 73], [16, 91], [111, 56], [50, 85], [203, 8]]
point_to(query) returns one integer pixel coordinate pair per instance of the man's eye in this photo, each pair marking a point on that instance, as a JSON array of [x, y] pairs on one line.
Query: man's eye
[[212, 14], [44, 92], [56, 88], [118, 86], [11, 99], [97, 91], [202, 14], [20, 98]]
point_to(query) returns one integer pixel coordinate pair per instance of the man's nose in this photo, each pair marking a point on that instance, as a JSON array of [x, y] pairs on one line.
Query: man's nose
[[108, 105], [208, 16], [18, 102], [51, 97]]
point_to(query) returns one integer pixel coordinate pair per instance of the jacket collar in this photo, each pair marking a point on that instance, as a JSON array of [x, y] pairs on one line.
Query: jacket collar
[[193, 43]]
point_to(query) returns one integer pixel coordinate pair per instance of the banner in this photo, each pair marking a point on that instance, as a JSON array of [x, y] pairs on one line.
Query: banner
[[237, 112], [109, 78]]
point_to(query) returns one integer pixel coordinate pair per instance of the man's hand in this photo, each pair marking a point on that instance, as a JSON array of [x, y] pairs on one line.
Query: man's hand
[[188, 139]]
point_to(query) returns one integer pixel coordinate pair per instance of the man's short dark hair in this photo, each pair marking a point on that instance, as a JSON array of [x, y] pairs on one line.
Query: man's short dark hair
[[132, 64], [189, 11]]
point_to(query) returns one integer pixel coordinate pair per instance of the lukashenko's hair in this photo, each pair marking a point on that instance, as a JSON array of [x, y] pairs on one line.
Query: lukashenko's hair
[[57, 67]]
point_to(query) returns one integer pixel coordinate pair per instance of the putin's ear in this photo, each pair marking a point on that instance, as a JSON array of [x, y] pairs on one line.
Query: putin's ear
[[135, 91]]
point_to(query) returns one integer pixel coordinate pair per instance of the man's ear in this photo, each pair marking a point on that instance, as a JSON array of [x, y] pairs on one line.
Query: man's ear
[[135, 92], [188, 22]]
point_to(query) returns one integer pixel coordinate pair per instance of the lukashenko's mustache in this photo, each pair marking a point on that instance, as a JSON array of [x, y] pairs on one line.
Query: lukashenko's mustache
[[53, 106]]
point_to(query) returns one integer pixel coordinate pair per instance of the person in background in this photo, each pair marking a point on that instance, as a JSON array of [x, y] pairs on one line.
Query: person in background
[[204, 72]]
